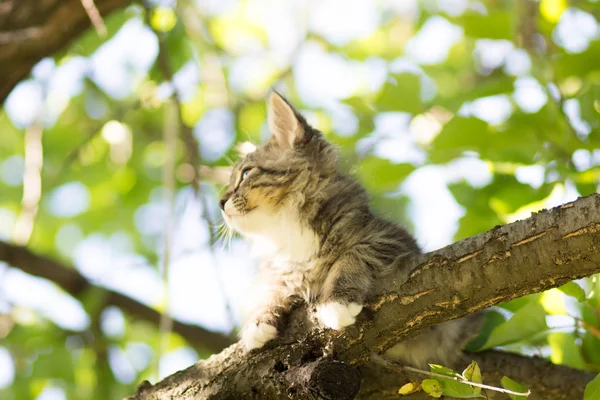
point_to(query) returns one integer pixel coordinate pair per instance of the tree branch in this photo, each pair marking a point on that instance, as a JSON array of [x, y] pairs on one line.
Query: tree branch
[[546, 250], [69, 279], [31, 30]]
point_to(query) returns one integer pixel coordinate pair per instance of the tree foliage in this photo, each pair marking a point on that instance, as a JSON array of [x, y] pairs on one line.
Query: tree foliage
[[456, 115]]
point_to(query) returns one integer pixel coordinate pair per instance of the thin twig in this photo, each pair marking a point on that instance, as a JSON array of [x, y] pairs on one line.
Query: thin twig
[[32, 184], [95, 17], [170, 138], [590, 328], [397, 365]]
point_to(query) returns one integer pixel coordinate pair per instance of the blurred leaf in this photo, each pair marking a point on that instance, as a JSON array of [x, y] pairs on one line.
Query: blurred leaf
[[432, 387], [525, 323], [459, 390], [578, 64], [495, 25], [590, 346], [509, 384], [491, 319], [392, 207], [250, 121], [58, 364], [589, 100], [460, 134], [231, 29], [592, 390], [553, 302], [180, 50], [463, 134], [574, 290], [473, 373], [520, 302], [440, 369], [192, 110], [358, 104], [163, 19], [551, 10], [565, 350], [404, 95], [380, 175], [460, 92], [409, 388]]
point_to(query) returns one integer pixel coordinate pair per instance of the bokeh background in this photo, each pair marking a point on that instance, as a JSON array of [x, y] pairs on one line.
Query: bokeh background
[[457, 115]]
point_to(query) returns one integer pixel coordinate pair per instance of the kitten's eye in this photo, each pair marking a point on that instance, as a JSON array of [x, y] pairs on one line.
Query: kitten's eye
[[245, 173]]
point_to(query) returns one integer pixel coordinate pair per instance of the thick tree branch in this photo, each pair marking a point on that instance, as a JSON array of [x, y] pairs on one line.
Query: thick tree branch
[[33, 29], [75, 284], [546, 250]]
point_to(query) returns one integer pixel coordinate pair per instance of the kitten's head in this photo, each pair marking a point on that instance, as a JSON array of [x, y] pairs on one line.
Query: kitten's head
[[285, 175]]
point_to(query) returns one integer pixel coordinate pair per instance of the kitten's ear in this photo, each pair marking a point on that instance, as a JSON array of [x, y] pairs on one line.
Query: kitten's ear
[[284, 124]]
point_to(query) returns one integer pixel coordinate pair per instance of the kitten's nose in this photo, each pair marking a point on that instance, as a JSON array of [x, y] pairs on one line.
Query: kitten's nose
[[223, 200]]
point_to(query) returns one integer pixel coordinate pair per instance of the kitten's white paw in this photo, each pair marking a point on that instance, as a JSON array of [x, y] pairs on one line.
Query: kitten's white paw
[[256, 335], [336, 315]]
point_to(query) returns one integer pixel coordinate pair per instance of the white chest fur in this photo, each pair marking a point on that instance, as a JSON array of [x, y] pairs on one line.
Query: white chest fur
[[284, 239], [280, 237]]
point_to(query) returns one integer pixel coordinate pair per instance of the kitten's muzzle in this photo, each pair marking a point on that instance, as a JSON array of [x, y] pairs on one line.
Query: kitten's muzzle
[[223, 200]]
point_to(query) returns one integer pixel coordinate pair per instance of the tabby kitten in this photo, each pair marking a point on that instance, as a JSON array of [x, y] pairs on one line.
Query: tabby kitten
[[314, 231]]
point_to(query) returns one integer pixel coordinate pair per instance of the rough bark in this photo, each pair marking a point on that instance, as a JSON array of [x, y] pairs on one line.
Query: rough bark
[[33, 29], [546, 250], [70, 280]]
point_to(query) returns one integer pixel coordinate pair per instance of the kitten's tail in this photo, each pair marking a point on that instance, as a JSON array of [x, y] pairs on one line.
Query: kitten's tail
[[440, 344]]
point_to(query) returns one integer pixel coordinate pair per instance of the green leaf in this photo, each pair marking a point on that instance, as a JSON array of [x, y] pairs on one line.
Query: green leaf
[[163, 19], [58, 363], [592, 390], [456, 95], [565, 350], [473, 373], [509, 384], [520, 302], [590, 346], [459, 390], [578, 64], [380, 175], [491, 320], [574, 290], [409, 388], [458, 135], [525, 323], [392, 207], [432, 387], [495, 25], [439, 369], [358, 104], [404, 95]]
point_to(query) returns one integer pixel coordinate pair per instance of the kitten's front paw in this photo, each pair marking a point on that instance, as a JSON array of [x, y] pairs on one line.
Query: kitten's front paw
[[255, 336], [336, 315]]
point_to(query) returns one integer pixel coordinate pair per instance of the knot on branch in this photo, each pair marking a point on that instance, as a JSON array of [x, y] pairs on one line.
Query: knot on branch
[[325, 379]]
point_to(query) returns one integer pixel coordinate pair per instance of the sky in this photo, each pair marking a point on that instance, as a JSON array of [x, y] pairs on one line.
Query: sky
[[322, 80]]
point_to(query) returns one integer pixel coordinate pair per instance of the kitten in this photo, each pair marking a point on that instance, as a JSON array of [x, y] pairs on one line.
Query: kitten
[[317, 238]]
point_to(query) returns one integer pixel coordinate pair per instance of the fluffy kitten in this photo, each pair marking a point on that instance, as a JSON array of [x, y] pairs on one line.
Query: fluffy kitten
[[317, 238]]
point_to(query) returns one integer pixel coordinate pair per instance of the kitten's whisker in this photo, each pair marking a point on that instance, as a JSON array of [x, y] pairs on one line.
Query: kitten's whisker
[[229, 160]]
